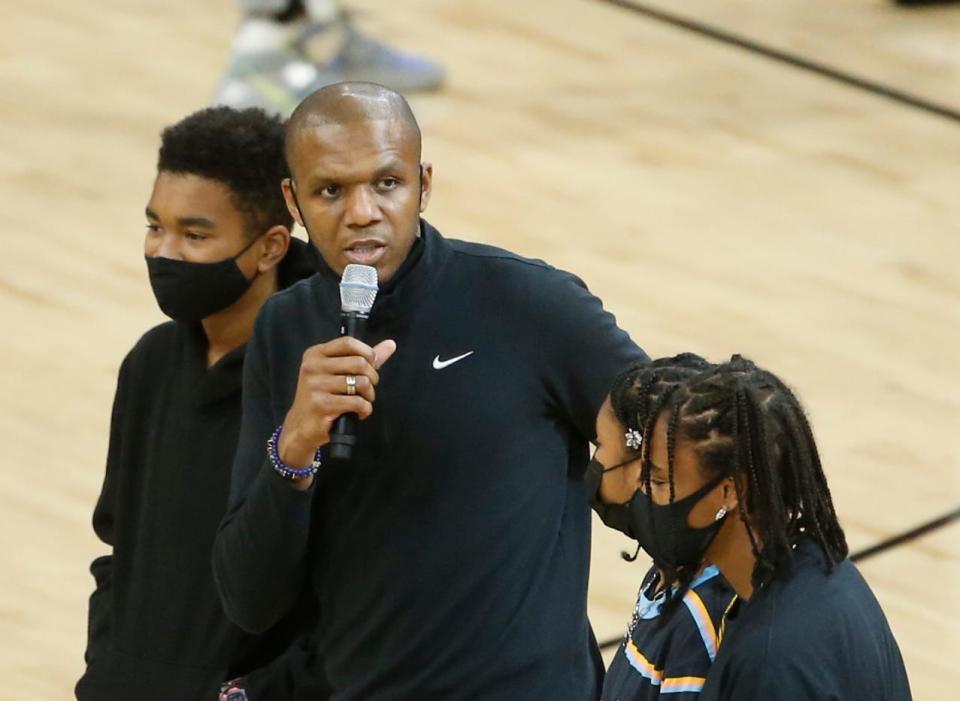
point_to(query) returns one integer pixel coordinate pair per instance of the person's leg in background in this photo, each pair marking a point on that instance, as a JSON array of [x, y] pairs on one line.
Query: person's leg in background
[[286, 49]]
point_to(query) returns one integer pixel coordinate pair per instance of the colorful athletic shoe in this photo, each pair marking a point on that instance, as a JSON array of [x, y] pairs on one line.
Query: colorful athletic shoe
[[361, 57], [275, 66]]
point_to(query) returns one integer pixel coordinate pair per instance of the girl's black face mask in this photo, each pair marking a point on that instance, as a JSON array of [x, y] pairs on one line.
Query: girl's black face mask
[[188, 291], [661, 530]]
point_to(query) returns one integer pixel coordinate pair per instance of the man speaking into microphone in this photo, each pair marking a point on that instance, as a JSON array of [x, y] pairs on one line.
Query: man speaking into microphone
[[449, 554]]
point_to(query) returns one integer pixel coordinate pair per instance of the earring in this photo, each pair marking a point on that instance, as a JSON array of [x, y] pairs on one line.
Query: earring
[[633, 438], [721, 512]]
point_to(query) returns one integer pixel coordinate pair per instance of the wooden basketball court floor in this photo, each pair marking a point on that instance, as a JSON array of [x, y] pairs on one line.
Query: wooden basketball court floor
[[716, 200]]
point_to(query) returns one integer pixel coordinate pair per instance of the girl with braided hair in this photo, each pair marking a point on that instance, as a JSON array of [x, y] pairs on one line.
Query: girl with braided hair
[[668, 647], [730, 475]]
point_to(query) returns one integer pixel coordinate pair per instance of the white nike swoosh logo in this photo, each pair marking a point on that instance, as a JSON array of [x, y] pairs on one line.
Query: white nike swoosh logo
[[441, 364]]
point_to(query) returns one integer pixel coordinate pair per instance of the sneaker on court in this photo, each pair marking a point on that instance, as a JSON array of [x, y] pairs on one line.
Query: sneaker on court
[[361, 57], [276, 78], [275, 81]]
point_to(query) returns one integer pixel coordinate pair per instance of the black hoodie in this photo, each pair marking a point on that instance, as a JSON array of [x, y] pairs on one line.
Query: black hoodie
[[156, 627]]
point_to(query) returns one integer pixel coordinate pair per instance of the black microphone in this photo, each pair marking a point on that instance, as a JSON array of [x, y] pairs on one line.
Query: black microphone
[[358, 290]]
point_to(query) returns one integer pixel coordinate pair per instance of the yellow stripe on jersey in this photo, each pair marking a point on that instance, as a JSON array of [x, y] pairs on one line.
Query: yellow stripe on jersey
[[668, 685], [703, 621], [679, 685], [723, 620]]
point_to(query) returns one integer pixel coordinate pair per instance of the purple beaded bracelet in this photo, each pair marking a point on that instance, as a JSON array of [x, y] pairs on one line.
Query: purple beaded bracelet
[[282, 468]]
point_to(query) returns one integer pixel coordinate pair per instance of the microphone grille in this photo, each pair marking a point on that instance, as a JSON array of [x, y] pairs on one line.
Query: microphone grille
[[358, 288]]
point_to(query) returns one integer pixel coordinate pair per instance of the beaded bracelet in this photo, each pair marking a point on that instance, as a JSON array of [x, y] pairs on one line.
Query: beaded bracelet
[[232, 691], [282, 468]]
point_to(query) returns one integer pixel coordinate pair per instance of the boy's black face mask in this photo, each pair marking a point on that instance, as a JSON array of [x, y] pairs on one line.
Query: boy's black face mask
[[188, 291]]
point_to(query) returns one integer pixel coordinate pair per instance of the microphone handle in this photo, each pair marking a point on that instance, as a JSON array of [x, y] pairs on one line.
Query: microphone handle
[[344, 435]]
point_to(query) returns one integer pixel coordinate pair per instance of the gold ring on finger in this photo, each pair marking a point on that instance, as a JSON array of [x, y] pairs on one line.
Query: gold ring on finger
[[351, 384]]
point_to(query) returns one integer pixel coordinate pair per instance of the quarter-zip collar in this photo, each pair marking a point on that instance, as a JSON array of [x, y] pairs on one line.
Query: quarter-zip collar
[[399, 295]]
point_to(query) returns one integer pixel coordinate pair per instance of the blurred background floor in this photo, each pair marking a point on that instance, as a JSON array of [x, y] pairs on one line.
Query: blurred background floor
[[716, 200]]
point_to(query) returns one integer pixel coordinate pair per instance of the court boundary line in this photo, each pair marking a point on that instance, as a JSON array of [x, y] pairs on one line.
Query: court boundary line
[[788, 58]]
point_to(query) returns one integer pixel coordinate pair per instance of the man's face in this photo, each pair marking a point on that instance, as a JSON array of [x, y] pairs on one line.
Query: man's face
[[192, 218], [359, 189]]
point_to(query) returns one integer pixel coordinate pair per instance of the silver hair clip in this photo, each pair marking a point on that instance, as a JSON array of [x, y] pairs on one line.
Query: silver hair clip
[[634, 439]]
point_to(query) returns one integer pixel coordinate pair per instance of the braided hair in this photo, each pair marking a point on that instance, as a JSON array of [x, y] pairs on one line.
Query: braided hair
[[642, 385], [745, 423]]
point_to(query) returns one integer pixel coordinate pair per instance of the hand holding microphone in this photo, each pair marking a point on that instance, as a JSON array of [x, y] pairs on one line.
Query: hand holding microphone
[[337, 381]]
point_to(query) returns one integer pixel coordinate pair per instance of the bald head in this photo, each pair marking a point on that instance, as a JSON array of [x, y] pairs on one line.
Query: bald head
[[350, 103], [357, 182]]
